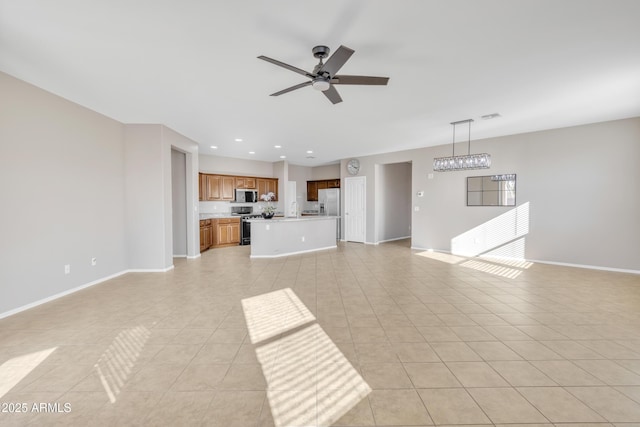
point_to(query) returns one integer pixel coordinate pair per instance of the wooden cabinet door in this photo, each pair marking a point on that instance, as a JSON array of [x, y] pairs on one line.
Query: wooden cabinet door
[[234, 232], [213, 187], [272, 186], [312, 191], [262, 186], [250, 182], [202, 186], [203, 238], [322, 185], [228, 188], [333, 183], [222, 235]]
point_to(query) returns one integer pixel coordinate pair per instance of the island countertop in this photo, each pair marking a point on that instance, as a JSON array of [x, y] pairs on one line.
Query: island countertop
[[293, 219]]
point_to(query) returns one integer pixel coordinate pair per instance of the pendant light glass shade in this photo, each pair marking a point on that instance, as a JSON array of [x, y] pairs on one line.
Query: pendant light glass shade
[[458, 163]]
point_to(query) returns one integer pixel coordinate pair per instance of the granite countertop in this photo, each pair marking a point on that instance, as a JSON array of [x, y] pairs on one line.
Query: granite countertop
[[294, 219], [217, 215]]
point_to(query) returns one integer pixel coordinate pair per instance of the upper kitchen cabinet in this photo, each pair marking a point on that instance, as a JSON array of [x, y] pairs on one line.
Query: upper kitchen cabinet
[[219, 187], [245, 182], [267, 185], [202, 187], [314, 186], [222, 187]]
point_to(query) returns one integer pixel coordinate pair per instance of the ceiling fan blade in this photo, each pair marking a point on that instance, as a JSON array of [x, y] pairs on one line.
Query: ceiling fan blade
[[337, 60], [332, 94], [292, 88], [359, 80], [287, 66]]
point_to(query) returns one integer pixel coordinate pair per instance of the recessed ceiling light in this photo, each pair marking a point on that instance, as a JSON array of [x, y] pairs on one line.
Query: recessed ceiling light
[[214, 147], [490, 116], [283, 157], [238, 139], [309, 151], [252, 152], [277, 146]]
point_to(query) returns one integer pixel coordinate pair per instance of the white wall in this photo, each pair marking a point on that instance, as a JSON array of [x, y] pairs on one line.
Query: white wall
[[393, 201], [231, 166], [148, 195], [179, 202], [62, 189], [325, 172], [77, 185], [145, 210], [581, 185]]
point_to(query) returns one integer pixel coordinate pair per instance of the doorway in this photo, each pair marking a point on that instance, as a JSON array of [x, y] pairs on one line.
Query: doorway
[[355, 209], [179, 202]]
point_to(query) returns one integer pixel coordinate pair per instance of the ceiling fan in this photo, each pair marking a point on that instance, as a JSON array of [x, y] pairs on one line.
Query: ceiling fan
[[324, 75]]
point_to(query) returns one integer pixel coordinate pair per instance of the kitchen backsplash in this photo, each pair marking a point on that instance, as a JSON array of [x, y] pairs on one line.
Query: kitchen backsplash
[[225, 207]]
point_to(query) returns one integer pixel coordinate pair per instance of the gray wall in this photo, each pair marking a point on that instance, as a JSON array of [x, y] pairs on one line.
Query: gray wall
[[77, 185], [179, 202], [62, 188], [581, 185], [231, 166], [393, 202]]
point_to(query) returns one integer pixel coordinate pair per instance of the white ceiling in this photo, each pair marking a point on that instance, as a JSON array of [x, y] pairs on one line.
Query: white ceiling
[[192, 66]]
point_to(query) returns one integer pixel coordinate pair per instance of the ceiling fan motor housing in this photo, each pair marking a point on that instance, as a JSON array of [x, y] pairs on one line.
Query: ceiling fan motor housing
[[320, 51]]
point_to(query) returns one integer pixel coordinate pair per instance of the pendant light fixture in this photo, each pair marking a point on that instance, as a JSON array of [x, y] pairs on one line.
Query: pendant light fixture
[[458, 163]]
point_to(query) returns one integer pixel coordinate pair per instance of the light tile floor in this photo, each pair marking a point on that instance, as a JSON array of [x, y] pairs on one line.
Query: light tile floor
[[437, 343]]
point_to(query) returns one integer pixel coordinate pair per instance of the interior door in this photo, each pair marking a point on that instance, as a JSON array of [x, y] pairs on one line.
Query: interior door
[[355, 208]]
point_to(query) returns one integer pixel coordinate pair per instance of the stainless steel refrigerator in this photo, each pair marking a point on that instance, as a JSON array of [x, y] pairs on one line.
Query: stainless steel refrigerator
[[329, 204]]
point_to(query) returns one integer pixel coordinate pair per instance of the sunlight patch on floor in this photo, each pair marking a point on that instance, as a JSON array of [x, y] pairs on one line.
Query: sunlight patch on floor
[[14, 370], [309, 380], [274, 313], [441, 256], [498, 270], [115, 365]]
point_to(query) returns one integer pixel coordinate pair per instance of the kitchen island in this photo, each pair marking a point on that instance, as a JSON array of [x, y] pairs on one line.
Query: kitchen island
[[271, 238]]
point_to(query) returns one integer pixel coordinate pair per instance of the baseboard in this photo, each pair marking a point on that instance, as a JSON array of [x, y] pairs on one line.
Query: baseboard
[[150, 270], [79, 288], [293, 253], [589, 267], [393, 240], [179, 255], [193, 257], [60, 295], [563, 264]]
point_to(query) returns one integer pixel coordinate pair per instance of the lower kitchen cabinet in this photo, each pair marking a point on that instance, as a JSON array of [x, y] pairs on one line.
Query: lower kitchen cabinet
[[206, 234], [227, 232], [219, 232]]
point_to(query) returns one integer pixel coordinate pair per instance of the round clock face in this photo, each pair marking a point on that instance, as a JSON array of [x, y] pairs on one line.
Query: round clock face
[[353, 166]]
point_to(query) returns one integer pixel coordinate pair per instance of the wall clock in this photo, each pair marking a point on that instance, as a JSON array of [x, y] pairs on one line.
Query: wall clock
[[353, 166]]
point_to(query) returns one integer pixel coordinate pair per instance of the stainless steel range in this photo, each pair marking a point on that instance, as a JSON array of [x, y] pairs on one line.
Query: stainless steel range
[[245, 213]]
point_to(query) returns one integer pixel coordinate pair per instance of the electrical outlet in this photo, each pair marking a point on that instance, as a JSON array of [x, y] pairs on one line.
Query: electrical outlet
[[94, 261], [67, 268]]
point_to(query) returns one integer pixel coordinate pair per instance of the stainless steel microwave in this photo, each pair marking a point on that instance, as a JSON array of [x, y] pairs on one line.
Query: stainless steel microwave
[[246, 196]]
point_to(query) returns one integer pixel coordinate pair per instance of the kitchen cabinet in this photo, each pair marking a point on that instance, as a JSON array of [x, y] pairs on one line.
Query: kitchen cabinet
[[206, 234], [202, 187], [245, 182], [314, 186], [223, 187], [219, 187], [227, 231], [266, 185]]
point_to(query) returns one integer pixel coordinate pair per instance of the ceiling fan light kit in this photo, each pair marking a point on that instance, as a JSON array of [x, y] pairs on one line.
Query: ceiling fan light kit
[[321, 84], [466, 162], [324, 76]]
